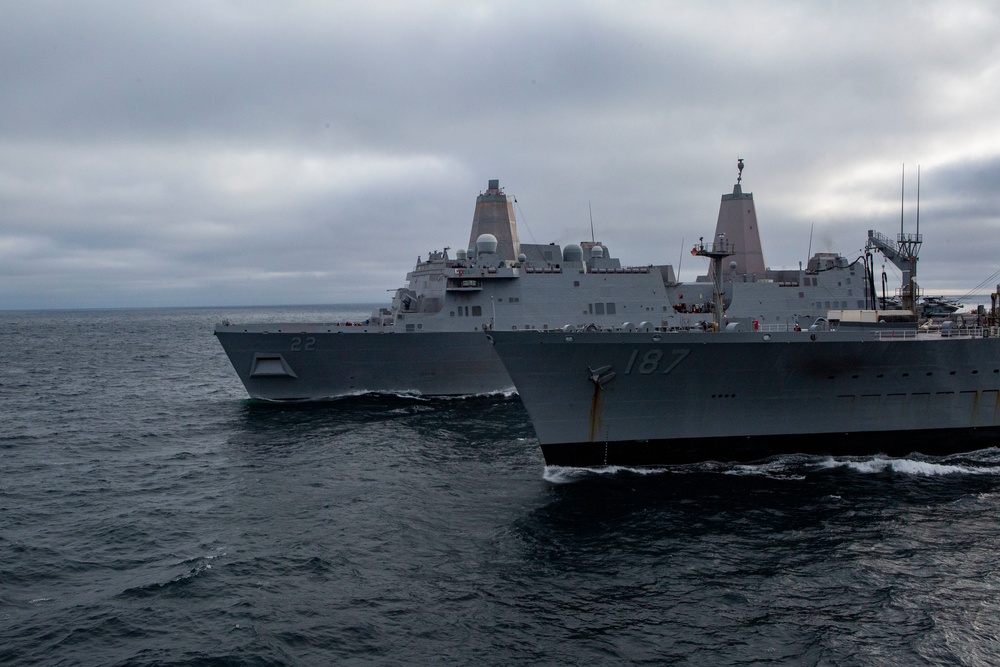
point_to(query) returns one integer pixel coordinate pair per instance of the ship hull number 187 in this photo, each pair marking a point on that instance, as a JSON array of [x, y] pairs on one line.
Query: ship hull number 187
[[653, 361]]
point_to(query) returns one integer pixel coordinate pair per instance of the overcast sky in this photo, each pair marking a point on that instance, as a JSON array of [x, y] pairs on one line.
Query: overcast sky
[[220, 152]]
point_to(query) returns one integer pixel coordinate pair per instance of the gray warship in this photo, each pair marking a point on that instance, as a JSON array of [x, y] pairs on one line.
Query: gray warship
[[644, 399], [855, 382], [429, 340]]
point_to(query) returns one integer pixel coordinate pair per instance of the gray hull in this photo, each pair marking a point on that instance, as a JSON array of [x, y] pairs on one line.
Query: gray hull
[[646, 399], [294, 362]]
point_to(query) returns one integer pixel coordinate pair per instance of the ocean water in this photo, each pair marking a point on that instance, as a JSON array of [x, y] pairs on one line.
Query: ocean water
[[150, 514]]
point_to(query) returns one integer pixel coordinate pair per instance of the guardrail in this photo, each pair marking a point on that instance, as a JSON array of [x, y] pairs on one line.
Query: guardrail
[[939, 332]]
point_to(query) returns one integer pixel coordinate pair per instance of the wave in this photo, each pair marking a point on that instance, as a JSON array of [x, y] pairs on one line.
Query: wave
[[405, 394], [904, 466], [193, 568], [788, 467], [569, 475]]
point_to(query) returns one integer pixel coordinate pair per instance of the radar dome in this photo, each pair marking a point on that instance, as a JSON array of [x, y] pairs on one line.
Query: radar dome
[[572, 253], [486, 243], [522, 258], [460, 253], [597, 252]]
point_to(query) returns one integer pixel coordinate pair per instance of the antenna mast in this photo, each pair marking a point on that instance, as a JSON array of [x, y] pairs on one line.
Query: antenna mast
[[680, 261], [902, 196], [717, 252], [591, 209]]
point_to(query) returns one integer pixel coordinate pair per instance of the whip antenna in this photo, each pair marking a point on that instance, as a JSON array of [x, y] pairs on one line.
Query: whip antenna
[[591, 209]]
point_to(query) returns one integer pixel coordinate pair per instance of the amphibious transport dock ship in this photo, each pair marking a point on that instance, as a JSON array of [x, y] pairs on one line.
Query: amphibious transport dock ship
[[856, 384], [430, 340]]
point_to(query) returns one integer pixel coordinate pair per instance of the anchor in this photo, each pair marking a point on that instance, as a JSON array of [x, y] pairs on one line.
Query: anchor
[[601, 376]]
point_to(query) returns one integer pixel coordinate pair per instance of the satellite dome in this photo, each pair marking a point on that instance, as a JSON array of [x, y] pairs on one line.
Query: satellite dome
[[732, 265], [597, 252], [572, 253], [486, 243], [460, 253], [522, 258]]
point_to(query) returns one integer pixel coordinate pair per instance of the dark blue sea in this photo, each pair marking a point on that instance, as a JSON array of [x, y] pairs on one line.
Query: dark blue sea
[[151, 514]]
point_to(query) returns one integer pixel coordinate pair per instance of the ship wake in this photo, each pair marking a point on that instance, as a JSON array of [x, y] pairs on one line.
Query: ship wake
[[798, 467]]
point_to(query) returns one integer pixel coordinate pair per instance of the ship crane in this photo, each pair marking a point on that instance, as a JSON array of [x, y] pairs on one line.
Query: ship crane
[[903, 254], [903, 251]]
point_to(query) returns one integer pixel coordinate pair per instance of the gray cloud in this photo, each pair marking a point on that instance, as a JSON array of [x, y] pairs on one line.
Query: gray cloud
[[242, 153]]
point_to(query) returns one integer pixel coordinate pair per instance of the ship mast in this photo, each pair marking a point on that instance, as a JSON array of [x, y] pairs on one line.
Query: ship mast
[[717, 252]]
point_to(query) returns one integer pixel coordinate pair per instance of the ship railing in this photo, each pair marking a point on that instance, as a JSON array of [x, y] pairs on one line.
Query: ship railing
[[896, 334], [622, 269], [937, 332], [774, 328]]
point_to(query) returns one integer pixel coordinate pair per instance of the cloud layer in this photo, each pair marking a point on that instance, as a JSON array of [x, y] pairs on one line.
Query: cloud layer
[[233, 153]]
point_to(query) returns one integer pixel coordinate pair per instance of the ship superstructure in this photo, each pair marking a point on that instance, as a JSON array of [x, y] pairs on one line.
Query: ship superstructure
[[429, 340], [855, 382]]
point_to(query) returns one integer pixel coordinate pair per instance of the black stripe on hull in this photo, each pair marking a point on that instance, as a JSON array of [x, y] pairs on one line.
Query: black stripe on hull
[[936, 442]]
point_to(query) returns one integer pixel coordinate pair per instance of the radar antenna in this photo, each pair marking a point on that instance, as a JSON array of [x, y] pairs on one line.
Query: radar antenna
[[739, 167]]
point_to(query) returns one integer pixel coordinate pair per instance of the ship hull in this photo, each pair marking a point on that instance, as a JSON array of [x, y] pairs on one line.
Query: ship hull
[[746, 449], [298, 362], [654, 399]]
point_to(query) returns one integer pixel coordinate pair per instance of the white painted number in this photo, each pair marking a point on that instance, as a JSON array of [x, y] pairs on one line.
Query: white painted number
[[650, 362], [300, 345]]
